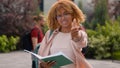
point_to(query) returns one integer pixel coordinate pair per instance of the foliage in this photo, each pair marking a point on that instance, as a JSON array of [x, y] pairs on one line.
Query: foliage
[[45, 28], [17, 15], [105, 40], [100, 14], [8, 44], [116, 55]]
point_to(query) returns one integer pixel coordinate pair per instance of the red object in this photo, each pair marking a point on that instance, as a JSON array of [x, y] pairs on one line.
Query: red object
[[36, 32]]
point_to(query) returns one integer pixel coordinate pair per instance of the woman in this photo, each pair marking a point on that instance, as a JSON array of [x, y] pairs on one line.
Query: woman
[[67, 37], [37, 33]]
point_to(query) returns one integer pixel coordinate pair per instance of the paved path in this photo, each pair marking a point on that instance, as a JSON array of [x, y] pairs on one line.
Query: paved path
[[20, 59]]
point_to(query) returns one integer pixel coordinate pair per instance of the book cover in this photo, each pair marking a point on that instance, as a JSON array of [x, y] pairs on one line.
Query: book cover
[[60, 58]]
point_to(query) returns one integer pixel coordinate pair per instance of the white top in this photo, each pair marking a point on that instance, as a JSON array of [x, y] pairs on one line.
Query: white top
[[62, 42]]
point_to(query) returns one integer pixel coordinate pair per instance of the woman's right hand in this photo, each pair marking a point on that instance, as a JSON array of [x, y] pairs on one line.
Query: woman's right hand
[[48, 64]]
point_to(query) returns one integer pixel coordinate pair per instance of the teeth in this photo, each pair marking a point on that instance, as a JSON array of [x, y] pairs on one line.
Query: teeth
[[63, 22]]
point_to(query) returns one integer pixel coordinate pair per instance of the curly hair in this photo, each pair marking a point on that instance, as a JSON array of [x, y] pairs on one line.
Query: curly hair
[[67, 5]]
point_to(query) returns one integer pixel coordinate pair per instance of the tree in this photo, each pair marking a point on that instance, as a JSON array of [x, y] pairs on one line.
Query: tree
[[100, 13], [16, 16]]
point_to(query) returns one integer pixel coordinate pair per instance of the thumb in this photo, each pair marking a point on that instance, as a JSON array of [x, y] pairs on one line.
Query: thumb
[[74, 24]]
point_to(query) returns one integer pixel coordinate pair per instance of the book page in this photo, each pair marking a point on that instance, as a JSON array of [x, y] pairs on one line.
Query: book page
[[36, 55], [60, 58]]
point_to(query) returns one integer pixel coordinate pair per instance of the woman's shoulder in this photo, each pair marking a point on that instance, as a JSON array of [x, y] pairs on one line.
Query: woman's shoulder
[[50, 31], [47, 33], [35, 29]]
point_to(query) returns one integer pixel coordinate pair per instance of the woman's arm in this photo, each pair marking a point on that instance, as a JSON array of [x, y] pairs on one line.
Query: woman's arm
[[82, 40], [34, 42]]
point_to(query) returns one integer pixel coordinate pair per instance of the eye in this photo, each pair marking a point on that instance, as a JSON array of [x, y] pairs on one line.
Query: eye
[[58, 16], [66, 13]]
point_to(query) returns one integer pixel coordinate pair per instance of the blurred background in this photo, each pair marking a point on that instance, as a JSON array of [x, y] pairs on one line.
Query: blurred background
[[102, 25]]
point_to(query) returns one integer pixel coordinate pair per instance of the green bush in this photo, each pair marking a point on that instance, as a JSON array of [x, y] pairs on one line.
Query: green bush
[[104, 41], [116, 55], [8, 44]]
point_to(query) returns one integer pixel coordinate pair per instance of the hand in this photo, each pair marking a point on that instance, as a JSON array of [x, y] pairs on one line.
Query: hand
[[74, 31], [48, 64]]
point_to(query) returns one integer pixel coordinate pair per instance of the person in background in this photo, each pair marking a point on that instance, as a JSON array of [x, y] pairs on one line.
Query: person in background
[[37, 33], [64, 20]]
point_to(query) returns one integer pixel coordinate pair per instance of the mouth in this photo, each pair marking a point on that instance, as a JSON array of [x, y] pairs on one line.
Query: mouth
[[64, 22]]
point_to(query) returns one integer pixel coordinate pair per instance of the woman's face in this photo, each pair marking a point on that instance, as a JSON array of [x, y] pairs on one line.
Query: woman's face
[[64, 18], [41, 22]]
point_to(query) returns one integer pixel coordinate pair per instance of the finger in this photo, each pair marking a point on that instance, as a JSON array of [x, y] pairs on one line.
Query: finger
[[73, 23], [74, 30], [42, 64], [51, 63], [48, 62], [74, 34]]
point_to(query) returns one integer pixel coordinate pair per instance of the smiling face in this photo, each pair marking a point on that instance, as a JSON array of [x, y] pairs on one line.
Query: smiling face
[[64, 18], [62, 14]]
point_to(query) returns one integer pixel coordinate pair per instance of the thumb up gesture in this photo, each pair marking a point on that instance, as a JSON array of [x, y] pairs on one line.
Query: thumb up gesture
[[75, 31]]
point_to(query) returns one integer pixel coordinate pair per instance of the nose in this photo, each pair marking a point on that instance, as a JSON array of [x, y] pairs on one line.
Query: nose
[[62, 17]]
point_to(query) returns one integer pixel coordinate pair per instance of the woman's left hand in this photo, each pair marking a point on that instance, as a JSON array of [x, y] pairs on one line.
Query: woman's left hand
[[48, 64], [75, 31]]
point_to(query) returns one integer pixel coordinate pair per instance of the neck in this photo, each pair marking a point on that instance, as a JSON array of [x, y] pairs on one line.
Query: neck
[[38, 26], [65, 30]]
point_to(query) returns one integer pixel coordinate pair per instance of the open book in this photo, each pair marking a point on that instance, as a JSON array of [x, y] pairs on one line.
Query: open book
[[60, 58]]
